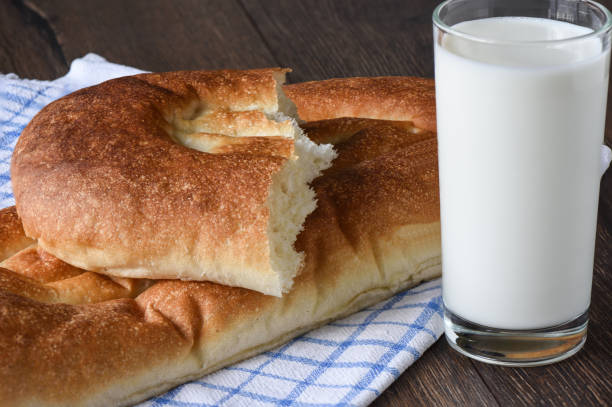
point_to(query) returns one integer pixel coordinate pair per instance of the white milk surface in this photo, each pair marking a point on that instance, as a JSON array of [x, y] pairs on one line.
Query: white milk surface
[[519, 132]]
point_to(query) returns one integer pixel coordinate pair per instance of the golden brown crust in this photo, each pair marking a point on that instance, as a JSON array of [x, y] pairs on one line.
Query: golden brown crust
[[38, 275], [35, 263], [335, 131], [358, 251], [384, 176], [387, 98], [63, 355], [101, 183], [375, 232], [12, 236]]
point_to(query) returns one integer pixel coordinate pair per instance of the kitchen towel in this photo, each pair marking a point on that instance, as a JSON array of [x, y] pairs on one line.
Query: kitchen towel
[[346, 363]]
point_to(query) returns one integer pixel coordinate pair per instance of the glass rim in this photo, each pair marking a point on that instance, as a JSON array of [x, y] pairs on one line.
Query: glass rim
[[607, 26]]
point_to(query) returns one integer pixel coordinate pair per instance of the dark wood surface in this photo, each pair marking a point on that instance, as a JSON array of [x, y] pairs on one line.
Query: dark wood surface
[[318, 40]]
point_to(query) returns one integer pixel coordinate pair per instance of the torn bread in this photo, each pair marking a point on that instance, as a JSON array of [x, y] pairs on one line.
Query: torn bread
[[181, 175], [374, 232]]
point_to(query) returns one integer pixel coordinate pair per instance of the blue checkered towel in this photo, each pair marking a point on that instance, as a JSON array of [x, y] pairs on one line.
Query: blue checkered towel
[[348, 362]]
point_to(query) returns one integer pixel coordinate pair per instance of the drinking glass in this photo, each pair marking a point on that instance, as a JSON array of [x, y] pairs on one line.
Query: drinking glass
[[521, 90]]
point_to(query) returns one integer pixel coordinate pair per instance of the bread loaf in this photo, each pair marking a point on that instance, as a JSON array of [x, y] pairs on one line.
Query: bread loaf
[[375, 232], [183, 175]]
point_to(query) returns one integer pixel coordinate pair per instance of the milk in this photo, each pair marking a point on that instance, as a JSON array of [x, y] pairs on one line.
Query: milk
[[519, 131]]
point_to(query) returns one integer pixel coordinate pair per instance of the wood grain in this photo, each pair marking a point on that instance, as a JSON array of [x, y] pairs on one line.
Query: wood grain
[[441, 377], [323, 39], [157, 35], [318, 39], [27, 44]]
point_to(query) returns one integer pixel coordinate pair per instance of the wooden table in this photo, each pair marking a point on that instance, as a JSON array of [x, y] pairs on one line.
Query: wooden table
[[318, 40]]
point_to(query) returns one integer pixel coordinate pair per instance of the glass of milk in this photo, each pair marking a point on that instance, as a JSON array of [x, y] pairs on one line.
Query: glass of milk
[[521, 91]]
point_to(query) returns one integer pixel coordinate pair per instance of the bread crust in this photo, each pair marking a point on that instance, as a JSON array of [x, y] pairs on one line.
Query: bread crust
[[375, 232], [100, 181], [386, 97], [12, 236]]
